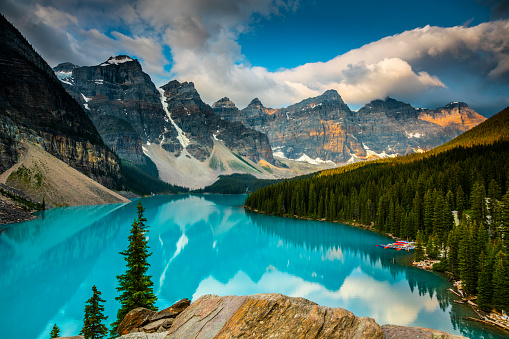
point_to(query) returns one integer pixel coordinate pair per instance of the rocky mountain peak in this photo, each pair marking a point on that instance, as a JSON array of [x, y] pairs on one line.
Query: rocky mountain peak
[[456, 104], [330, 94], [224, 103], [391, 108], [184, 90], [387, 104], [255, 103], [116, 60], [65, 67]]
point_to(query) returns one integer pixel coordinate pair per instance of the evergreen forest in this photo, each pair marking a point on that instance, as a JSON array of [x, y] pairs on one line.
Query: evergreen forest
[[454, 200]]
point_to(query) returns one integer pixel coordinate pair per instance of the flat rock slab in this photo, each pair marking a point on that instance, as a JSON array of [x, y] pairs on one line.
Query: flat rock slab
[[268, 316], [402, 332], [141, 335]]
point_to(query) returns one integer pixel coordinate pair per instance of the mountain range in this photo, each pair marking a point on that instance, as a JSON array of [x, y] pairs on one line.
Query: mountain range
[[324, 128], [173, 127], [111, 123]]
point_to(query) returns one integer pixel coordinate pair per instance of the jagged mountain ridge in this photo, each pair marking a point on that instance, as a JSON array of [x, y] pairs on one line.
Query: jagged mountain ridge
[[325, 127], [131, 114], [35, 108]]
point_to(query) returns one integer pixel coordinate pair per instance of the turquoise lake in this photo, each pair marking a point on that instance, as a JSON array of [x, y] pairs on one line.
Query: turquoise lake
[[208, 244]]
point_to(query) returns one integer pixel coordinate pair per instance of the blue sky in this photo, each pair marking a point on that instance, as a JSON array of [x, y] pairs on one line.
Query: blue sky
[[320, 30], [426, 53]]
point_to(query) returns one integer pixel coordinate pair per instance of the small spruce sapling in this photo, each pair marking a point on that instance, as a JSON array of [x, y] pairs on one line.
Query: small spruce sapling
[[92, 326], [55, 332]]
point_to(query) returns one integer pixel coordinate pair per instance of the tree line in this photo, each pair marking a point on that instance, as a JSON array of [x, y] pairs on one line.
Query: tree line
[[455, 202]]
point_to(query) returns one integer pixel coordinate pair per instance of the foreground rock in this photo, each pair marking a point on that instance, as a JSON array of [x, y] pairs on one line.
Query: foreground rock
[[269, 316], [261, 316], [142, 320], [397, 332]]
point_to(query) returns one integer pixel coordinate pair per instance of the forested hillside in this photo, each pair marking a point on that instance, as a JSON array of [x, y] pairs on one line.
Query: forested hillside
[[417, 197]]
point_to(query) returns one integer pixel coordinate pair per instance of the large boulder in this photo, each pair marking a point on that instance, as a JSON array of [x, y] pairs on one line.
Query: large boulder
[[268, 316]]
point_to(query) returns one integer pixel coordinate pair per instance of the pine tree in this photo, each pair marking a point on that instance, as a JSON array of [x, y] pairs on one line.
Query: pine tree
[[460, 200], [55, 332], [484, 285], [478, 202], [453, 245], [419, 249], [504, 218], [500, 282], [92, 326], [135, 285]]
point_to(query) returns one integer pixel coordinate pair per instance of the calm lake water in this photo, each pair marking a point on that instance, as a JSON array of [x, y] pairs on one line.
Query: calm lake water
[[208, 244]]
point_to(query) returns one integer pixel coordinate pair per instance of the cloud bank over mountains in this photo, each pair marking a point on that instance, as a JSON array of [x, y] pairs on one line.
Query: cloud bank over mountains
[[197, 40]]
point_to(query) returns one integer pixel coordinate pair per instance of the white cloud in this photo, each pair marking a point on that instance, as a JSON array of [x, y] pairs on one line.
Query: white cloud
[[360, 293], [53, 17], [390, 66], [202, 36]]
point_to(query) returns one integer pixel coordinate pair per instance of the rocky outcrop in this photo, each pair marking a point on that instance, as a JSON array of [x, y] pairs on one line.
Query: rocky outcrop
[[326, 128], [35, 108], [142, 320], [10, 213], [400, 332], [269, 316]]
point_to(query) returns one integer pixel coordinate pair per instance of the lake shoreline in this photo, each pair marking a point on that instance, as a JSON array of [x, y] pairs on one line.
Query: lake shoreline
[[426, 267]]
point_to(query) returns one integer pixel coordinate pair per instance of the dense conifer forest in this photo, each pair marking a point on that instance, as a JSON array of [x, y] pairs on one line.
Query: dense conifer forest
[[454, 200]]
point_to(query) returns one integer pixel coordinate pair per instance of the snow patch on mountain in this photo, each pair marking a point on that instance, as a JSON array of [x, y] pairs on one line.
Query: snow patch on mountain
[[316, 161], [379, 155], [413, 135], [117, 60], [63, 75], [184, 141]]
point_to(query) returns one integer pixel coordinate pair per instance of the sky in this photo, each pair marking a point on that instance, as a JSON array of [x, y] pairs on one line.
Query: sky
[[426, 53]]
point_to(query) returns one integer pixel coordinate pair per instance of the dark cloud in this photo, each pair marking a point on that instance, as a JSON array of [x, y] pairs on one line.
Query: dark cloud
[[499, 8]]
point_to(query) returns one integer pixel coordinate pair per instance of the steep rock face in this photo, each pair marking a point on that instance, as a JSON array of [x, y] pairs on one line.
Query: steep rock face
[[326, 128], [118, 88], [200, 126], [128, 111], [34, 107], [121, 137], [455, 116]]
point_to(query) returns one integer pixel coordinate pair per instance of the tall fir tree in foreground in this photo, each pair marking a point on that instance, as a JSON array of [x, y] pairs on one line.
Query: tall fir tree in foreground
[[55, 332], [135, 285], [93, 328]]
